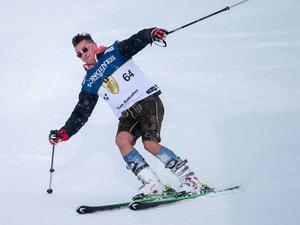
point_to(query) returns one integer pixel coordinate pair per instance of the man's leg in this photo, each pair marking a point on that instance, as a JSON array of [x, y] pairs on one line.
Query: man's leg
[[189, 182], [137, 164], [150, 122]]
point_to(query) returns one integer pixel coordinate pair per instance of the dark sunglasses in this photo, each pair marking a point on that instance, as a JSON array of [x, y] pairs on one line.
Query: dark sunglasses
[[84, 50]]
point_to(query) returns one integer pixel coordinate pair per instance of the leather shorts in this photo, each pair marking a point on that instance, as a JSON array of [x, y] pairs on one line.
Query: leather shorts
[[143, 119]]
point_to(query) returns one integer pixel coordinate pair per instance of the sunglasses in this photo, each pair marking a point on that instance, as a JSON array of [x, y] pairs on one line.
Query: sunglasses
[[83, 50]]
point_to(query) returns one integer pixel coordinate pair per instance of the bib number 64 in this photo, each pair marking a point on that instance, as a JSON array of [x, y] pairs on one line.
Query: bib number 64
[[127, 76]]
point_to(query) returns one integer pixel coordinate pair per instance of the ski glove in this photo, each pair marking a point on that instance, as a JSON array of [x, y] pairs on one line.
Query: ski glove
[[57, 136], [158, 34]]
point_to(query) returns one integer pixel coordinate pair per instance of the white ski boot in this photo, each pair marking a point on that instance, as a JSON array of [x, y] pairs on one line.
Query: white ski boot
[[151, 183], [189, 182]]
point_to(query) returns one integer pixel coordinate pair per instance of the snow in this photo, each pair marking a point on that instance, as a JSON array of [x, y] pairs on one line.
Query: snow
[[231, 93]]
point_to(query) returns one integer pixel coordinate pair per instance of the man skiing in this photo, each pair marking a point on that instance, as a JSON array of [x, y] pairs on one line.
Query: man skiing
[[134, 99]]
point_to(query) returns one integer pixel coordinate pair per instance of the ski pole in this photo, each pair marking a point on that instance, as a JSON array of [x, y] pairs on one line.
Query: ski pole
[[205, 17], [49, 190]]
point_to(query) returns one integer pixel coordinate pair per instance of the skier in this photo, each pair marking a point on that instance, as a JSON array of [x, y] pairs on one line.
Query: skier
[[134, 99]]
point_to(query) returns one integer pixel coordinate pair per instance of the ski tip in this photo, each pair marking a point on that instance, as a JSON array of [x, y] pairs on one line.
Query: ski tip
[[234, 187], [81, 210], [230, 188], [133, 205]]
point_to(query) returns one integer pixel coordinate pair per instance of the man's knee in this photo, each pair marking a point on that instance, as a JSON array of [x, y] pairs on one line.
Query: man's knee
[[152, 146], [124, 139]]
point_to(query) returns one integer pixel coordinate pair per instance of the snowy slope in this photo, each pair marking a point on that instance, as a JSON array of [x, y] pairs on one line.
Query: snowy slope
[[231, 92]]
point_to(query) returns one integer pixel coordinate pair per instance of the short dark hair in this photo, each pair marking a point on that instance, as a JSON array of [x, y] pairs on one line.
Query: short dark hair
[[80, 37]]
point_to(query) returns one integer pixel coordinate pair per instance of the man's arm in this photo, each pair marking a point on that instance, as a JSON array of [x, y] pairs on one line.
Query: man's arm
[[81, 112], [129, 47]]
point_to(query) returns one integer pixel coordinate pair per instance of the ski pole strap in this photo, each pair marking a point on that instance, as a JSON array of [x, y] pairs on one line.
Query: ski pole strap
[[163, 43]]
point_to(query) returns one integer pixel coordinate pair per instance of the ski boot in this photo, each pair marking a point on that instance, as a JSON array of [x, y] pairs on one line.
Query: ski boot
[[151, 185], [189, 182]]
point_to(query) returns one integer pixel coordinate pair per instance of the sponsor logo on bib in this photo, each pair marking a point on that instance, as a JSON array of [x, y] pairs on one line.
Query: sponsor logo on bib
[[111, 85]]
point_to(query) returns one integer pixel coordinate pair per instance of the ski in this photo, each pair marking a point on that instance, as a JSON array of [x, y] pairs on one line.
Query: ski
[[150, 201], [84, 209], [138, 205]]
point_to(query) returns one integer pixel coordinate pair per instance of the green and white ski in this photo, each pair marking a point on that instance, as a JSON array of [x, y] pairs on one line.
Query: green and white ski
[[152, 201]]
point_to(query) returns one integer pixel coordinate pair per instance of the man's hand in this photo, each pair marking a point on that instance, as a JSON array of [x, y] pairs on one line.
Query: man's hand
[[57, 136], [158, 34]]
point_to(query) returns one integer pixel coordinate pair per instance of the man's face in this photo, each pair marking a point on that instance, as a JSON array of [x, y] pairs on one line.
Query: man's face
[[86, 51]]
